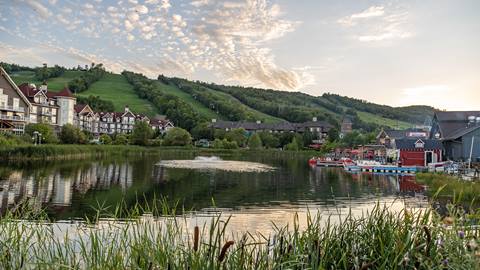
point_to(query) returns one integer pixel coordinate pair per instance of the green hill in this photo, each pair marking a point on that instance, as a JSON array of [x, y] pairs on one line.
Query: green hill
[[115, 88], [207, 100]]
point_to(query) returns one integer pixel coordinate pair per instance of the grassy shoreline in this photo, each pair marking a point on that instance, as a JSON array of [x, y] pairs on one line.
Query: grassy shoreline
[[69, 151], [450, 188]]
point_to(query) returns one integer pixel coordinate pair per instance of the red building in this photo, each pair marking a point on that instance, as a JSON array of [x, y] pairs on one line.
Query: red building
[[419, 152]]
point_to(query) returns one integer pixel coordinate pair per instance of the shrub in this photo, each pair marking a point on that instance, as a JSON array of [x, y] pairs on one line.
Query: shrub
[[237, 135], [121, 139], [254, 142], [105, 139], [47, 134], [72, 135], [177, 137]]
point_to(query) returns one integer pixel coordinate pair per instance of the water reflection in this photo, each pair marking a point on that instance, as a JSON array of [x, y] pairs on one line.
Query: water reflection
[[72, 189]]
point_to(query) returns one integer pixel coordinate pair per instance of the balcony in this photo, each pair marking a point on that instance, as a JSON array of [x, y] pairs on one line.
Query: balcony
[[11, 108], [12, 118]]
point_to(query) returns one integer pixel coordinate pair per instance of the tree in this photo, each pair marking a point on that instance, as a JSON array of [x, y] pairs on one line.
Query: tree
[[105, 139], [333, 134], [294, 145], [236, 135], [46, 131], [177, 137], [224, 144], [203, 131], [142, 132], [121, 139], [269, 140], [255, 142], [72, 135], [308, 137]]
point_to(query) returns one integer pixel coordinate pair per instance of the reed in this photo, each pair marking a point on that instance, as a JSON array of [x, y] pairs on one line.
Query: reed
[[451, 188], [381, 239]]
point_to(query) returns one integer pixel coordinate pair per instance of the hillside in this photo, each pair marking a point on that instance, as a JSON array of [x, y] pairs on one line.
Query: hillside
[[194, 101], [115, 88]]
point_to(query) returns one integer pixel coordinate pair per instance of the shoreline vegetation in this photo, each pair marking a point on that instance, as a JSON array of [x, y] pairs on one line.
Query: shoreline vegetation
[[76, 151], [444, 187], [156, 237]]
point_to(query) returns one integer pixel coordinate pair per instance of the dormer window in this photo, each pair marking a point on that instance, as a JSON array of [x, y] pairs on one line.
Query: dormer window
[[419, 144]]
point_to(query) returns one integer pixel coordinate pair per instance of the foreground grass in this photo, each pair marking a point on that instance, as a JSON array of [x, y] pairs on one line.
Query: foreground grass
[[378, 240], [450, 187]]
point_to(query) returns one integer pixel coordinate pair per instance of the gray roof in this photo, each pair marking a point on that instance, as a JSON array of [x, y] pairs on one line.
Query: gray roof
[[399, 134], [280, 126], [430, 144], [454, 122], [461, 132]]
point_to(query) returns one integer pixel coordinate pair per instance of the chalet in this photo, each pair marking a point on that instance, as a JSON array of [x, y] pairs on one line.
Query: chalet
[[14, 106], [388, 137], [85, 118], [161, 125], [418, 151], [459, 132]]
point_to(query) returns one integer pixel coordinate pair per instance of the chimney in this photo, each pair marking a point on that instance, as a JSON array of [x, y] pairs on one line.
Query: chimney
[[471, 120], [259, 122], [127, 109], [477, 120], [214, 120], [314, 119]]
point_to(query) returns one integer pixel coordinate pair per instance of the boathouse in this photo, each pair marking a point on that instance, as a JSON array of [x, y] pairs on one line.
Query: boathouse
[[419, 152], [459, 132]]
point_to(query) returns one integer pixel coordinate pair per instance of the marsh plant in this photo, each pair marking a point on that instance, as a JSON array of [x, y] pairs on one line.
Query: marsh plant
[[157, 237]]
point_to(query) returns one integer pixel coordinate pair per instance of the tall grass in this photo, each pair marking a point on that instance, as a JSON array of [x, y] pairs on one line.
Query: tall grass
[[451, 187], [380, 239]]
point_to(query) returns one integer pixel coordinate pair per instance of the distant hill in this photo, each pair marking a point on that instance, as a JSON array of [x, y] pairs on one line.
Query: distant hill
[[205, 101]]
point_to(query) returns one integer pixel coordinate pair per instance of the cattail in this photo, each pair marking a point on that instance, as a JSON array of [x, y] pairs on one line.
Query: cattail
[[366, 266], [429, 240], [196, 234], [224, 250]]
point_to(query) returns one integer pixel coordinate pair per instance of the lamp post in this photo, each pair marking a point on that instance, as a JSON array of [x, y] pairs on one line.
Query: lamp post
[[37, 138]]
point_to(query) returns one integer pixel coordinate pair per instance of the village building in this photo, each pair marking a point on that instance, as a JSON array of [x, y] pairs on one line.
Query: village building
[[418, 152], [459, 132], [320, 128], [14, 106], [388, 137]]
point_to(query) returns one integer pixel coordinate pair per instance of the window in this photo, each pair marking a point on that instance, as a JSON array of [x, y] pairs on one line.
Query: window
[[16, 102]]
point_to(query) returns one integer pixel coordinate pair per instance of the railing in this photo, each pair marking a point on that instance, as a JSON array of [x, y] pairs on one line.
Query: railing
[[13, 118], [12, 108]]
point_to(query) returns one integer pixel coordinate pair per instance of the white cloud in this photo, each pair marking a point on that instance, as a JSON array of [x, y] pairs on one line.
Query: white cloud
[[378, 24], [141, 9]]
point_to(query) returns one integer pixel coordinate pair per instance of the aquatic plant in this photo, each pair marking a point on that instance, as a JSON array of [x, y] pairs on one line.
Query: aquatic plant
[[157, 237]]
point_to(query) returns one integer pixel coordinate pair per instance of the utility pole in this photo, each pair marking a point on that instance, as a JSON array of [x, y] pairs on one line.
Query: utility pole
[[471, 152]]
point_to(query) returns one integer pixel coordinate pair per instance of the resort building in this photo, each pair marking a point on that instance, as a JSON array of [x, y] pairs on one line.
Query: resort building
[[14, 106], [55, 108], [459, 132], [27, 103]]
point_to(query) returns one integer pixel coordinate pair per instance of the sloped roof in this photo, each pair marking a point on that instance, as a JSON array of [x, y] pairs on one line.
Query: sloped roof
[[461, 132], [64, 93], [430, 144], [453, 122], [14, 86]]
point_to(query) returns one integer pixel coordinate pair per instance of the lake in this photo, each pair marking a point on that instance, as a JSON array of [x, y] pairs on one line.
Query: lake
[[270, 187]]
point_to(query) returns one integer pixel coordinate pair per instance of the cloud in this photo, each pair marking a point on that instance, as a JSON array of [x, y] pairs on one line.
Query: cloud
[[378, 24], [40, 9], [373, 11]]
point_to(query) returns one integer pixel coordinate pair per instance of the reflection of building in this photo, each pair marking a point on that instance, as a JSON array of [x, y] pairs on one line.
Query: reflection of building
[[57, 189]]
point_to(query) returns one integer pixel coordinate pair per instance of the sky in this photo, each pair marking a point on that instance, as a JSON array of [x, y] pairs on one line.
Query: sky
[[390, 52]]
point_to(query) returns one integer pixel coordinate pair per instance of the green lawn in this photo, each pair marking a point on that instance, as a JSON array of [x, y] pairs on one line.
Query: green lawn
[[372, 118], [196, 105], [54, 84], [115, 88]]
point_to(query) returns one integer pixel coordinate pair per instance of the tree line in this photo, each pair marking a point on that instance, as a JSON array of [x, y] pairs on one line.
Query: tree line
[[84, 81]]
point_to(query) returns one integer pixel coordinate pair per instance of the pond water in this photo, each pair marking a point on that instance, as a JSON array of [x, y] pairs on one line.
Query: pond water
[[254, 189]]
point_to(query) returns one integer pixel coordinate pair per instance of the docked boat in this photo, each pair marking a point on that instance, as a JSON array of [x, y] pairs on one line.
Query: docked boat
[[325, 162], [376, 167]]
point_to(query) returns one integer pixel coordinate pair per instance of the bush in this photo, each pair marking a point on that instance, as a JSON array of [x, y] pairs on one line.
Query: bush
[[142, 132], [177, 137], [269, 140], [224, 144], [254, 142], [293, 146], [105, 139], [156, 142], [48, 136], [72, 135], [237, 135], [121, 139]]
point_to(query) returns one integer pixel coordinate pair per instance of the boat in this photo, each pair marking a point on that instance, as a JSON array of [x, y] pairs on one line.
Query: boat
[[372, 166], [325, 162]]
